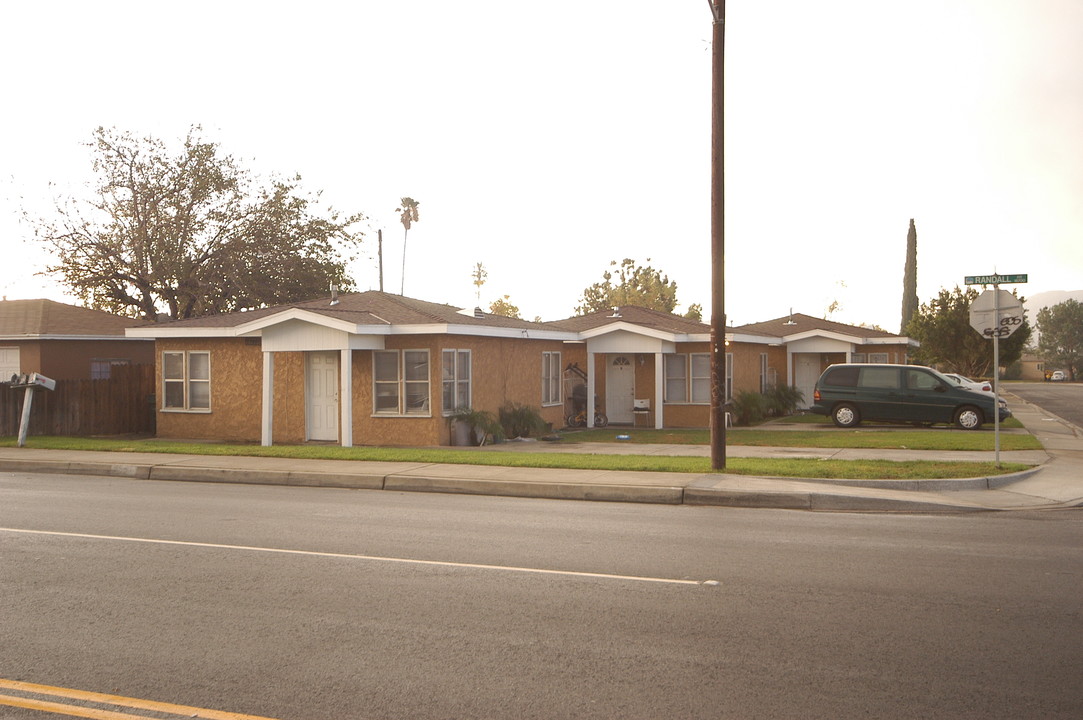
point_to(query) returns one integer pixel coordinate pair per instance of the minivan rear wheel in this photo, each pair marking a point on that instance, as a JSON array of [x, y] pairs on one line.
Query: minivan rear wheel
[[969, 417], [845, 415]]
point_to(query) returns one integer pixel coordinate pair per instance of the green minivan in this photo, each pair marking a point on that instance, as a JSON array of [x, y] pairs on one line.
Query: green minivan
[[915, 394]]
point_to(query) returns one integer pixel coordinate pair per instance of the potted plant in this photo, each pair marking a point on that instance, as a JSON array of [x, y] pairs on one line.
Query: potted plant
[[472, 427]]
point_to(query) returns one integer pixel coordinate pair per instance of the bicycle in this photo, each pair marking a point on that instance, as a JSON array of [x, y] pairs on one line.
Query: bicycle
[[579, 419]]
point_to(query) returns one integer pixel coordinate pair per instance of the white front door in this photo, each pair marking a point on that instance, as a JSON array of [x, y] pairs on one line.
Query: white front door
[[619, 389], [806, 373], [321, 390]]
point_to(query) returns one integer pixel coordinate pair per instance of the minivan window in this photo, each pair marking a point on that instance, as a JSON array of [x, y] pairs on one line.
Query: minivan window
[[878, 377], [918, 380], [845, 376]]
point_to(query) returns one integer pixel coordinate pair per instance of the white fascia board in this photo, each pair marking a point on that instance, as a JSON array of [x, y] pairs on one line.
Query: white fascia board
[[308, 317], [185, 332], [753, 339], [628, 327], [826, 334], [900, 340], [497, 332], [18, 338]]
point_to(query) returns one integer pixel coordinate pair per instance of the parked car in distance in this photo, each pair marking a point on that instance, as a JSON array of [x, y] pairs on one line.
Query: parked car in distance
[[964, 381], [1057, 376], [853, 392]]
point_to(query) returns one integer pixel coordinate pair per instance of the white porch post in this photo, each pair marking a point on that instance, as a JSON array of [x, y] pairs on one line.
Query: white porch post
[[659, 390], [345, 400], [590, 389], [267, 418]]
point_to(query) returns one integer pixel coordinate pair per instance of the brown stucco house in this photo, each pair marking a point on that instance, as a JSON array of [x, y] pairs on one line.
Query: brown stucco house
[[374, 368], [795, 349], [66, 342], [367, 368]]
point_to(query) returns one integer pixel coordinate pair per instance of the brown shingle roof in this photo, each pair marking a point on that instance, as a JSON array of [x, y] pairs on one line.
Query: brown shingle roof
[[632, 314], [365, 308], [798, 323], [37, 318]]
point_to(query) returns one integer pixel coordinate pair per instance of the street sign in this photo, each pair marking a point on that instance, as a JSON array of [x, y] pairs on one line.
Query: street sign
[[995, 279], [996, 313]]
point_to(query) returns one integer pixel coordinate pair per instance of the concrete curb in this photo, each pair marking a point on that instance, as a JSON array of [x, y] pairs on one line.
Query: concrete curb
[[822, 494]]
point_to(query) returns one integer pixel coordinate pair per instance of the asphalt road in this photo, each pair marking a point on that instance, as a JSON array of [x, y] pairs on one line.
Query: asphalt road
[[316, 603], [1063, 399]]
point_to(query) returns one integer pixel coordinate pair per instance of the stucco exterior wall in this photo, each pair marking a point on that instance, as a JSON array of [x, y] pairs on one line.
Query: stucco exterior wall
[[236, 372], [70, 359], [502, 370]]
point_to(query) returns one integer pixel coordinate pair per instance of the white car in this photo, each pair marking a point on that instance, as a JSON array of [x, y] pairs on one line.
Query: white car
[[1057, 376], [963, 381]]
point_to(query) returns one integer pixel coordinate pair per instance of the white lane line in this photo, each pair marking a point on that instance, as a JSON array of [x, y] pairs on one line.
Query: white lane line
[[371, 558]]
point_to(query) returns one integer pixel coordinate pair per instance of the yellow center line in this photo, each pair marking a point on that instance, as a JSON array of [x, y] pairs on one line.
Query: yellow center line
[[104, 699]]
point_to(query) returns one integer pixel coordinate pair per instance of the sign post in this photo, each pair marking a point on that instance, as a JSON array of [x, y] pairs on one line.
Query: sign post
[[995, 314]]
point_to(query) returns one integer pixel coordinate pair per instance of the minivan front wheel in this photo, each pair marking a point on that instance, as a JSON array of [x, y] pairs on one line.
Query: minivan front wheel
[[845, 416], [969, 418]]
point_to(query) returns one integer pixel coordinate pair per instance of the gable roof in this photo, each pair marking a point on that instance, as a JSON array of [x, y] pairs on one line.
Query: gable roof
[[634, 315], [364, 312], [797, 325], [47, 319]]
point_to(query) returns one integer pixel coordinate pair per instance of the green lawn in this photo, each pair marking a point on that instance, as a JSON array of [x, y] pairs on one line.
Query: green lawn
[[826, 437], [770, 467]]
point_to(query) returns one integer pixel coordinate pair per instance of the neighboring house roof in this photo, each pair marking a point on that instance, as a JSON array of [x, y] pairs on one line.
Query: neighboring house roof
[[49, 320], [796, 326], [371, 312], [633, 315]]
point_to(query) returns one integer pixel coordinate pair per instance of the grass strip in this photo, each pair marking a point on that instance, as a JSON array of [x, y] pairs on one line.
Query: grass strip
[[764, 467], [828, 438]]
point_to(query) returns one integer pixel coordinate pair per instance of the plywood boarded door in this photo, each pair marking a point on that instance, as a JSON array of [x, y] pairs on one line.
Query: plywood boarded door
[[321, 386]]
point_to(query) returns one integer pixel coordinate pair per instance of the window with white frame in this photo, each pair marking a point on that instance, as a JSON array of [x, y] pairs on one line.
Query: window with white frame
[[764, 381], [700, 377], [455, 378], [186, 380], [878, 357], [857, 357], [552, 374], [687, 378], [400, 380]]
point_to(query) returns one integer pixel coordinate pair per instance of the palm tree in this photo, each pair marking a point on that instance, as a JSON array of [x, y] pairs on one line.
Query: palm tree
[[408, 215]]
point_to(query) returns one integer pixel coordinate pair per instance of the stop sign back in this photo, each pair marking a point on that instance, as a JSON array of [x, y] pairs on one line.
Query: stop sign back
[[996, 313]]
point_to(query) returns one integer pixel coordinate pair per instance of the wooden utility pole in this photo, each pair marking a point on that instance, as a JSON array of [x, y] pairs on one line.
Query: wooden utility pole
[[718, 236]]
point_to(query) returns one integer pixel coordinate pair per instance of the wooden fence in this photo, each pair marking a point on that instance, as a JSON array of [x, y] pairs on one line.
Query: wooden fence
[[123, 404]]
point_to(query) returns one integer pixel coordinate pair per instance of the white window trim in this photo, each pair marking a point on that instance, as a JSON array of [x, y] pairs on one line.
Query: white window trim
[[688, 378], [187, 382], [401, 383], [457, 379], [556, 379]]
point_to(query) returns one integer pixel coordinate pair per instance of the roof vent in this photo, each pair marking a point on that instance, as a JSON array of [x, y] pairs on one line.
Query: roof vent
[[478, 313], [334, 295], [616, 313], [790, 321]]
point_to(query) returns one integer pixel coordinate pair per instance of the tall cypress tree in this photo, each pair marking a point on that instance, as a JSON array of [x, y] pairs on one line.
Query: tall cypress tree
[[910, 278]]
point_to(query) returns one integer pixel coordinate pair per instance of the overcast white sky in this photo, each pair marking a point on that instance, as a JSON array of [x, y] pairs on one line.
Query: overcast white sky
[[546, 139]]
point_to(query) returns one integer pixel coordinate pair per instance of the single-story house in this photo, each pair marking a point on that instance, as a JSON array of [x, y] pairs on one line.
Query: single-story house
[[66, 342], [374, 368], [795, 349]]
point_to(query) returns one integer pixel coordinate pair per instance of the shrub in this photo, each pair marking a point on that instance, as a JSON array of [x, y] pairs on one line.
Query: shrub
[[748, 407], [482, 424], [782, 400], [522, 421]]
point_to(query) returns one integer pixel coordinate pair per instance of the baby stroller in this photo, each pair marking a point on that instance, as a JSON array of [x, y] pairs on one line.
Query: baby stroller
[[578, 416]]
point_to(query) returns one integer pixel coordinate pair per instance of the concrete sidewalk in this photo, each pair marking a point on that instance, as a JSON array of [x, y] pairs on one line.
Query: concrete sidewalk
[[1055, 482]]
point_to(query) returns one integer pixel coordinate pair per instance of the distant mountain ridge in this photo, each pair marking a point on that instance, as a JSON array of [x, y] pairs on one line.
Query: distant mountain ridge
[[1037, 301]]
